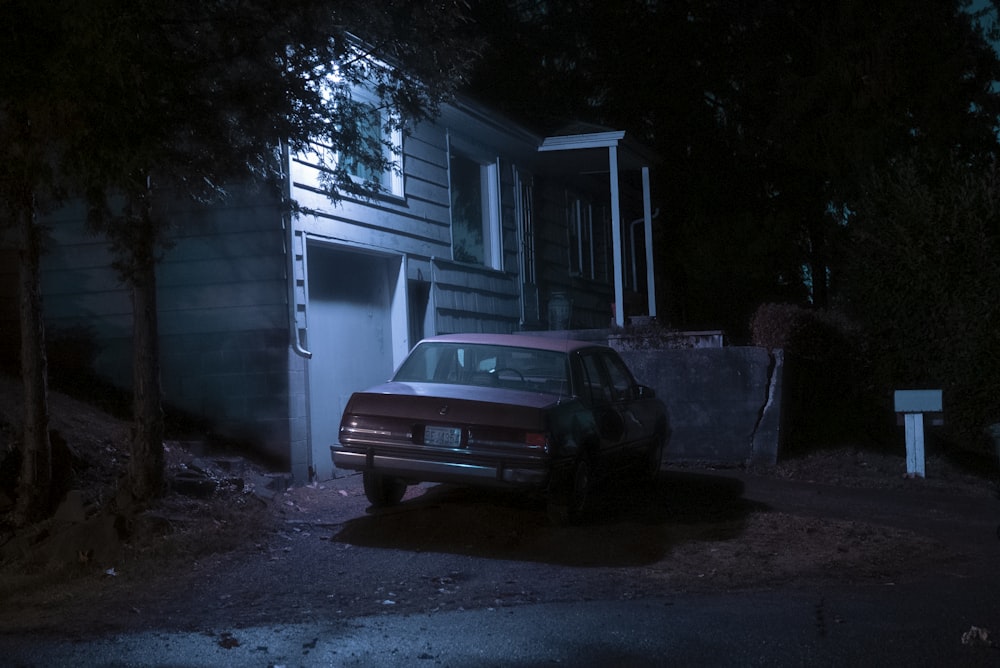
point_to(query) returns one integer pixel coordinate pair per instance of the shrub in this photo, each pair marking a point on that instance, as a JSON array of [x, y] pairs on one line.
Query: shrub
[[924, 279], [828, 394]]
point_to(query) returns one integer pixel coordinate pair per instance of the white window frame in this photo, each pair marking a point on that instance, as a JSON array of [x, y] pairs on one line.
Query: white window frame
[[489, 180]]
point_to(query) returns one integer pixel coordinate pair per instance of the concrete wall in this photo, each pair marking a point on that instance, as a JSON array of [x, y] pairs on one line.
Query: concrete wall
[[724, 403]]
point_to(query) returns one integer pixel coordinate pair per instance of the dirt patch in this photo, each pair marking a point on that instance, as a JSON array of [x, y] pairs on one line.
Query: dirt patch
[[866, 468]]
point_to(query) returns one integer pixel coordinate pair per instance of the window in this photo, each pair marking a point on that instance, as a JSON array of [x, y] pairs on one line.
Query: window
[[595, 391], [589, 243], [484, 364], [586, 251], [475, 211], [374, 134], [621, 379], [605, 380], [523, 191], [581, 239]]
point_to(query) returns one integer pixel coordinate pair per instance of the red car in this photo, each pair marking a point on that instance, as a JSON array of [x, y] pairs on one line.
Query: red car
[[503, 410]]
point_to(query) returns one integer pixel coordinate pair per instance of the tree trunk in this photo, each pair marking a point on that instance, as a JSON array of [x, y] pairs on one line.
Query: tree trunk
[[146, 466], [35, 483], [818, 261]]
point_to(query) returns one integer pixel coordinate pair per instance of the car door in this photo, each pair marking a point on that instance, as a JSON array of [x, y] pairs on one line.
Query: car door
[[598, 393], [637, 412]]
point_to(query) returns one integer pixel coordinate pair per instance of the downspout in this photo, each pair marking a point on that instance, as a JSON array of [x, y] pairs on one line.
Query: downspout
[[519, 223], [289, 242], [635, 272]]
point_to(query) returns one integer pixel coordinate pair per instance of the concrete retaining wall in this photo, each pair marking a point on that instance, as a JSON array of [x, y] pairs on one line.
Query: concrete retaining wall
[[724, 403]]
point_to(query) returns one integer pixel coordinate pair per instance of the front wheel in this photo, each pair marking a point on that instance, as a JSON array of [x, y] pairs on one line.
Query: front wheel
[[383, 490]]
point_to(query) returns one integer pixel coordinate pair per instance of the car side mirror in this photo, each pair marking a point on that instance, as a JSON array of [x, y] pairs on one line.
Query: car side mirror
[[646, 392]]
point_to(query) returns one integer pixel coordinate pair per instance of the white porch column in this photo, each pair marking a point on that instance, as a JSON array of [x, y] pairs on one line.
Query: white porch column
[[647, 213], [616, 237]]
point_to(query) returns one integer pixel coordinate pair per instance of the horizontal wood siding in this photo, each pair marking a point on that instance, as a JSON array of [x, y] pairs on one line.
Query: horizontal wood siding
[[81, 291], [224, 331], [237, 381], [226, 270], [223, 272], [469, 299], [223, 319]]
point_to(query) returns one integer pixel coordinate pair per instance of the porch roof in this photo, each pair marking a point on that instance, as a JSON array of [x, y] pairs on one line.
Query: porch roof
[[591, 146], [592, 150]]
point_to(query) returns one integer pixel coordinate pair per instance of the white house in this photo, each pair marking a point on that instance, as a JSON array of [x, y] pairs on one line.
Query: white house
[[269, 320]]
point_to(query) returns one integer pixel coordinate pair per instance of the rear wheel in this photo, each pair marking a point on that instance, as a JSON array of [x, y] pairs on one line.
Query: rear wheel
[[569, 502], [383, 490], [654, 458]]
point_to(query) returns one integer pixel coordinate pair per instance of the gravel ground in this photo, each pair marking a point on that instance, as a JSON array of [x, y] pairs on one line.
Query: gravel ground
[[246, 553]]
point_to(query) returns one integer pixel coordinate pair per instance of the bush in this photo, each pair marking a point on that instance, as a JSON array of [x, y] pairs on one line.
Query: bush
[[828, 392], [924, 279]]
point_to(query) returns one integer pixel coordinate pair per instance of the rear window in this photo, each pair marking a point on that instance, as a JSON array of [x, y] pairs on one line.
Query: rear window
[[487, 365]]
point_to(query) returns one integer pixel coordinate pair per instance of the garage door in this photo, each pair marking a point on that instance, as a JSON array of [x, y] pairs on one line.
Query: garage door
[[350, 336]]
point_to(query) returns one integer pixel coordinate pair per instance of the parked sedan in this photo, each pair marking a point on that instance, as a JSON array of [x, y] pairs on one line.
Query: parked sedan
[[503, 410]]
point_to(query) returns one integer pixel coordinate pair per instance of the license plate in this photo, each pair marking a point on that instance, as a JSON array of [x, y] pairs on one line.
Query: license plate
[[450, 437]]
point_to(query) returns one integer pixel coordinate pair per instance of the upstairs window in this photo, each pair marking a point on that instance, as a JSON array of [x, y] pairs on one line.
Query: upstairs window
[[475, 211], [380, 135]]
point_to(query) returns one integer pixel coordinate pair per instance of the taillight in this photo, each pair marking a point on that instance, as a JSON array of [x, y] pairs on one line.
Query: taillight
[[508, 438], [536, 439]]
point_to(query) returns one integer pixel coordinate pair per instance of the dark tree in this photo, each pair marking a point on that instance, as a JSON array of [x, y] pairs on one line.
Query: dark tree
[[768, 114], [924, 278], [185, 99], [34, 117]]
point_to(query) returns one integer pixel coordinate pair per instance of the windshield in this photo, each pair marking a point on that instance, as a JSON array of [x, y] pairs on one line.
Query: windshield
[[487, 365]]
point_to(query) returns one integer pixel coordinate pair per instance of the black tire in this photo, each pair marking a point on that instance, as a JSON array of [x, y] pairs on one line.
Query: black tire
[[654, 458], [570, 501], [383, 490]]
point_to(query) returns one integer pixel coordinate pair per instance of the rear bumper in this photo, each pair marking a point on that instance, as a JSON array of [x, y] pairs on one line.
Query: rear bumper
[[428, 470]]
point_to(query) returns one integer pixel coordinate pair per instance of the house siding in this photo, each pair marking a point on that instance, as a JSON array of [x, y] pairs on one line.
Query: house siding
[[223, 309], [469, 299], [222, 314]]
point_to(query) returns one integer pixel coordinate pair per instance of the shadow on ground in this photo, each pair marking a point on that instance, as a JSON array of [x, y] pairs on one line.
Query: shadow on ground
[[630, 524]]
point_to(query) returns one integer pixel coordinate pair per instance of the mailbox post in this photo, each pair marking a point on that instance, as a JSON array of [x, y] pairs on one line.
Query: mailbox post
[[911, 405]]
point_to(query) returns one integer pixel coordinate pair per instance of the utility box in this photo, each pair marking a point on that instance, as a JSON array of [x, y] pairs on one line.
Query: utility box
[[911, 407]]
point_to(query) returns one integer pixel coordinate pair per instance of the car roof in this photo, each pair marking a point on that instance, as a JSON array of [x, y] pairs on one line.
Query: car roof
[[556, 344]]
